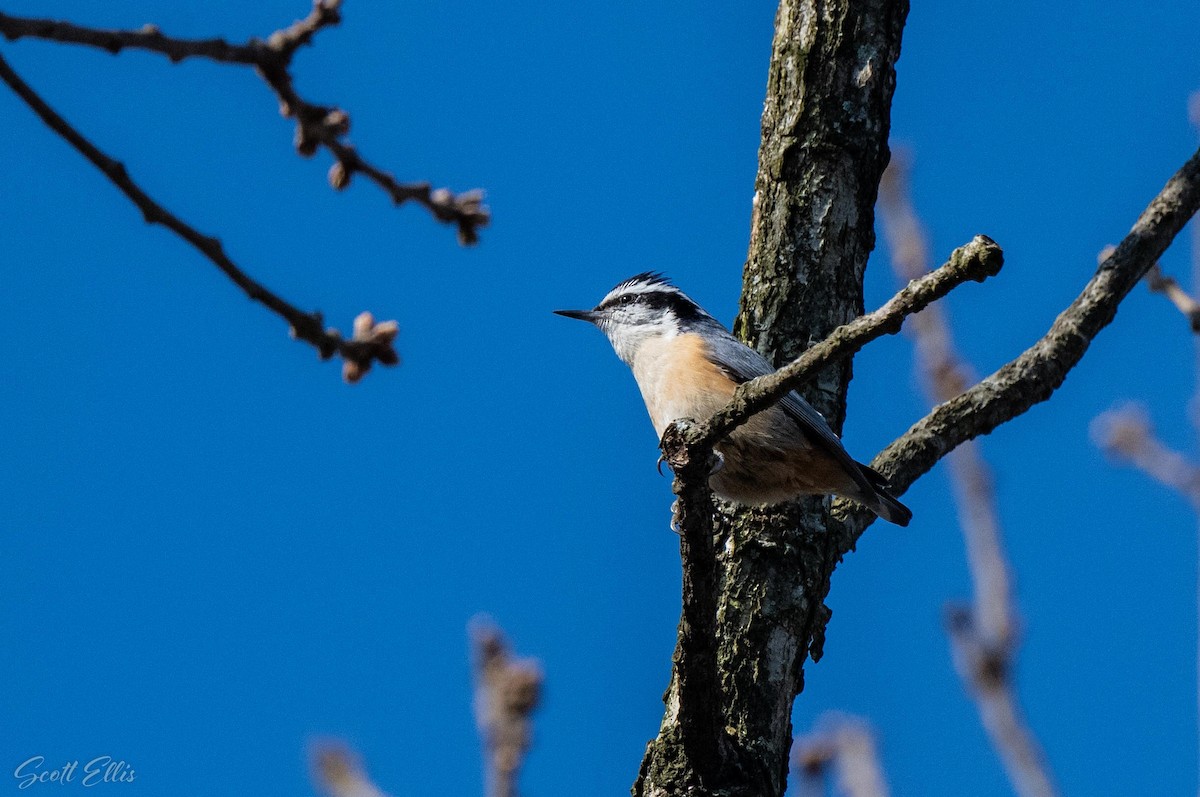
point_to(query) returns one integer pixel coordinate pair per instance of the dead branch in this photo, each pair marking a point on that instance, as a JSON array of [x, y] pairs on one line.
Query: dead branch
[[316, 125], [371, 342]]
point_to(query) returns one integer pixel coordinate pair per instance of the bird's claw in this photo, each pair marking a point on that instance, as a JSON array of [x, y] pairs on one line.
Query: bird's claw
[[658, 465]]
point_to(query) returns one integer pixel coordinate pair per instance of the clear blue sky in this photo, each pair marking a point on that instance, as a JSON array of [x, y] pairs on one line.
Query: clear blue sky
[[215, 551]]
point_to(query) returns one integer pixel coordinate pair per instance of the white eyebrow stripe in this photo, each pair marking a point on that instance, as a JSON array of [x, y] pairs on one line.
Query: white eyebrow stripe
[[639, 288]]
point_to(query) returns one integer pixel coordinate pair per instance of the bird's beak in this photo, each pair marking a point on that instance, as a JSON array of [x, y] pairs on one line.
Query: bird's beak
[[583, 315]]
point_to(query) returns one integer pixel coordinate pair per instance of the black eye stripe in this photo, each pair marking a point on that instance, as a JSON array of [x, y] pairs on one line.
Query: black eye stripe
[[682, 307]]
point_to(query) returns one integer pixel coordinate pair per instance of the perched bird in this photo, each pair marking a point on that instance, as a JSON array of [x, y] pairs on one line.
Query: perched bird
[[687, 365]]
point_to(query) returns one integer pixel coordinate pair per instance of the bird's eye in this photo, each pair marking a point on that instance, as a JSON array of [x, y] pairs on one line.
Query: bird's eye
[[626, 299]]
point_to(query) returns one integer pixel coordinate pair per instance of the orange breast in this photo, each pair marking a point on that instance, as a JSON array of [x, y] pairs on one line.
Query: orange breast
[[678, 380], [766, 460]]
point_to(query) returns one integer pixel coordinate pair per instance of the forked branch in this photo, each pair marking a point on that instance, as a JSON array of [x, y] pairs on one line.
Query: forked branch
[[1034, 376], [316, 125], [688, 449], [372, 342], [979, 259]]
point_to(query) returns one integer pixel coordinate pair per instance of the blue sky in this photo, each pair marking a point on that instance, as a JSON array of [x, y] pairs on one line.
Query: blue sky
[[215, 551]]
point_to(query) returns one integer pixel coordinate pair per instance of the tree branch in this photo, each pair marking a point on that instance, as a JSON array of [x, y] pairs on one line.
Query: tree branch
[[689, 451], [316, 125], [824, 133], [149, 38], [1034, 376], [983, 635], [977, 260], [371, 341]]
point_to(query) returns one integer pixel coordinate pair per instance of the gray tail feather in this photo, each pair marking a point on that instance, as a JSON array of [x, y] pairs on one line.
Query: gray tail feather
[[885, 504], [890, 509]]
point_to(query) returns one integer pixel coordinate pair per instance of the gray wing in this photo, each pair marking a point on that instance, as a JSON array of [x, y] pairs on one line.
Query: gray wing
[[743, 363]]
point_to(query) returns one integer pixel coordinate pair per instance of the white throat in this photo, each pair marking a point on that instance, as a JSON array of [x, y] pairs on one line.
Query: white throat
[[628, 340]]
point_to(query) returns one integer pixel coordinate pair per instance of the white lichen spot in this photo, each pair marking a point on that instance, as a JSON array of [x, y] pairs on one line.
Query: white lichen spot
[[672, 705], [864, 75]]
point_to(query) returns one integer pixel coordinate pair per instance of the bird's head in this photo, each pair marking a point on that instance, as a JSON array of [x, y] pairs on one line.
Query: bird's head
[[639, 309]]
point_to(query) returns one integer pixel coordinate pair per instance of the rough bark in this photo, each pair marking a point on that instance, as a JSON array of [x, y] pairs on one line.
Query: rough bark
[[824, 148]]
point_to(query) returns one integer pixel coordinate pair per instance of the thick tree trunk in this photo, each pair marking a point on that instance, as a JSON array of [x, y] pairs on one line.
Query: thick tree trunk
[[824, 148]]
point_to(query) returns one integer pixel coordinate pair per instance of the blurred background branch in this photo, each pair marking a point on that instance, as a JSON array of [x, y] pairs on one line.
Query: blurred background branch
[[507, 692], [337, 771], [843, 746], [1170, 287], [983, 634], [1126, 434]]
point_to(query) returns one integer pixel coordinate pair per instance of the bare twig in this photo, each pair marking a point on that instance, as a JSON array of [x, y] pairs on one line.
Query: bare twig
[[983, 635], [1169, 287], [148, 38], [507, 692], [1034, 376], [847, 744], [371, 342], [316, 125], [338, 772], [1125, 434]]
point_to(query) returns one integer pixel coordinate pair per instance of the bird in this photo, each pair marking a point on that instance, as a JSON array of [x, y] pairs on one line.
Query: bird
[[687, 365]]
